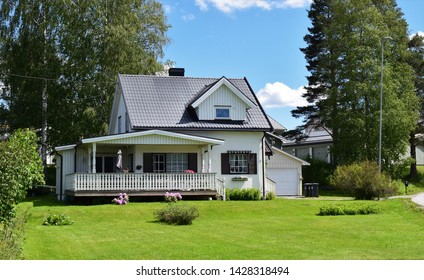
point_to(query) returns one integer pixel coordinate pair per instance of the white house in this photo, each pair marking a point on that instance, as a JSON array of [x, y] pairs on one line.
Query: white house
[[194, 135]]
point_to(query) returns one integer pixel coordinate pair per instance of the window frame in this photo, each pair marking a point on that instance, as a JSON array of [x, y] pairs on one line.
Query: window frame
[[227, 108], [239, 163]]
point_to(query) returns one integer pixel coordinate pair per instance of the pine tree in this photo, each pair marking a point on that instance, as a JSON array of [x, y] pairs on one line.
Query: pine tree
[[343, 55]]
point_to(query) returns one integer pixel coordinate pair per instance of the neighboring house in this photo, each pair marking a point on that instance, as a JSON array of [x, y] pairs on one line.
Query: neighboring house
[[317, 145], [172, 133]]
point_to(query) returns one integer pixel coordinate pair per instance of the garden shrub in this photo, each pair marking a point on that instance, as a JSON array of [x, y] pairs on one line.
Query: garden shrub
[[363, 181], [12, 236], [244, 194], [177, 214], [53, 219], [270, 196], [343, 209]]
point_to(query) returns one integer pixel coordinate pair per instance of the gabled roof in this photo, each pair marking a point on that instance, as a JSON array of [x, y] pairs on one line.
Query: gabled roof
[[163, 102], [208, 90], [303, 162]]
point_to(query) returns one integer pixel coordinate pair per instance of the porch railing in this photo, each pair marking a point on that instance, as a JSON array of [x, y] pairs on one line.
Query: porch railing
[[109, 182]]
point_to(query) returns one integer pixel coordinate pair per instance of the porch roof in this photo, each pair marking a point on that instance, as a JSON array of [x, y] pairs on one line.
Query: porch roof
[[153, 137]]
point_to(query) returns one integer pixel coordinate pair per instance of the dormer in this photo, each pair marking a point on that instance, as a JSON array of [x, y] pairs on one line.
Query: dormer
[[221, 101]]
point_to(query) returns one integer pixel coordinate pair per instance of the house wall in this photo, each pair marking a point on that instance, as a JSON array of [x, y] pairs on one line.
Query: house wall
[[251, 141], [223, 96], [320, 152], [68, 158], [120, 112]]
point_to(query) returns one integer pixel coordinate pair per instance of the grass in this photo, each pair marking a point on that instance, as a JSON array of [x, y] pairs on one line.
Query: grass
[[226, 230]]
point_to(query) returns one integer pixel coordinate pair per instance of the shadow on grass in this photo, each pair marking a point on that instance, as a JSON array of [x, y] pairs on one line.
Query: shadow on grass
[[44, 200]]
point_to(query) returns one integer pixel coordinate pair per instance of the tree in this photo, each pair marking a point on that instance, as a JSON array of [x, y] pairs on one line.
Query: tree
[[416, 60], [343, 55], [20, 168], [72, 50]]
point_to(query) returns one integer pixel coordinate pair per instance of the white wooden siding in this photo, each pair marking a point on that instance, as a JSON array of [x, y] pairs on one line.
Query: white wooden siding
[[223, 96]]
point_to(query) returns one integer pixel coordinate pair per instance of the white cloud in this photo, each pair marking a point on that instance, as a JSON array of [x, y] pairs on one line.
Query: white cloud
[[228, 6], [188, 17], [420, 33], [280, 95], [167, 9]]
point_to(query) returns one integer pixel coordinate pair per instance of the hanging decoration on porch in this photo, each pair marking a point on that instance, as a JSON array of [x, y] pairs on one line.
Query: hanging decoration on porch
[[119, 162]]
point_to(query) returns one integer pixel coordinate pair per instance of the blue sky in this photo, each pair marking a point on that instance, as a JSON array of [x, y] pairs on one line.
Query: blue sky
[[256, 39]]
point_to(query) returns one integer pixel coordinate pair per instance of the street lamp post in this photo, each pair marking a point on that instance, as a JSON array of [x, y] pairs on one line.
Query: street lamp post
[[381, 101]]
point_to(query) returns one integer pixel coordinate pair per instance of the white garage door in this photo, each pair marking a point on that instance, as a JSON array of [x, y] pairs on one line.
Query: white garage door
[[286, 181]]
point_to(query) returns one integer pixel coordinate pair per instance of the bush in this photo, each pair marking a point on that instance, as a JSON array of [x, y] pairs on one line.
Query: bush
[[53, 219], [342, 209], [176, 214], [270, 196], [244, 194], [363, 181], [12, 236], [317, 172]]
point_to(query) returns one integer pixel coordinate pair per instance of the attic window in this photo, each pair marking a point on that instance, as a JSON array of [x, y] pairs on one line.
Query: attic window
[[222, 112]]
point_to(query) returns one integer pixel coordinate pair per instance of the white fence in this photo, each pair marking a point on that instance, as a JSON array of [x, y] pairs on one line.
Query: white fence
[[109, 182]]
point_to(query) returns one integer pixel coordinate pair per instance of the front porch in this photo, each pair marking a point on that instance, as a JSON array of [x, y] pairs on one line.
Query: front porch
[[143, 184]]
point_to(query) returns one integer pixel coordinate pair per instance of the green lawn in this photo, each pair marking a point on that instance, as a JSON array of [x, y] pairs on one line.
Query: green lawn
[[278, 229]]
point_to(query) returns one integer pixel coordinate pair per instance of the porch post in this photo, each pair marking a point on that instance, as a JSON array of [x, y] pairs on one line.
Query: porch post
[[209, 159], [203, 159], [94, 159]]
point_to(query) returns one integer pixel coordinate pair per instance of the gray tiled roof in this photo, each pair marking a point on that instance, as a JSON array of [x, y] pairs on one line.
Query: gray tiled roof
[[163, 102]]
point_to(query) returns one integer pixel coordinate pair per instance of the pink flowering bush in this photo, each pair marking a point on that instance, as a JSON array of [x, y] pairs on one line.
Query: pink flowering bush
[[122, 199], [172, 197]]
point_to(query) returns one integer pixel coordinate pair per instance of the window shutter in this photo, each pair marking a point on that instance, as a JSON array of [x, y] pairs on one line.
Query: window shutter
[[147, 162], [192, 161], [252, 164], [225, 163]]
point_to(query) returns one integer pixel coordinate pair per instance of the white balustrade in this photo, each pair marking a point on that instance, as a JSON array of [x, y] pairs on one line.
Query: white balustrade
[[142, 182]]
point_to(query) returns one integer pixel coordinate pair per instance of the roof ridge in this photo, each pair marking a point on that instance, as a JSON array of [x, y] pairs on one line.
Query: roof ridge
[[179, 77]]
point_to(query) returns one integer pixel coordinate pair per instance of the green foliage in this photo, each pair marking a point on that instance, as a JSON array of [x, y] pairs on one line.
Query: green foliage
[[12, 236], [176, 214], [345, 209], [344, 50], [270, 196], [244, 194], [20, 169], [317, 172], [74, 46], [363, 181], [54, 219]]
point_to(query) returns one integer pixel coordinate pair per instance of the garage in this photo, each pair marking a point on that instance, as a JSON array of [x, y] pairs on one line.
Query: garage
[[286, 171]]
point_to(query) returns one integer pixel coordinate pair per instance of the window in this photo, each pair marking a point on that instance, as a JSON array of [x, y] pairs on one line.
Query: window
[[238, 163], [222, 112], [120, 124], [127, 123], [176, 162], [169, 162], [159, 163], [105, 164]]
